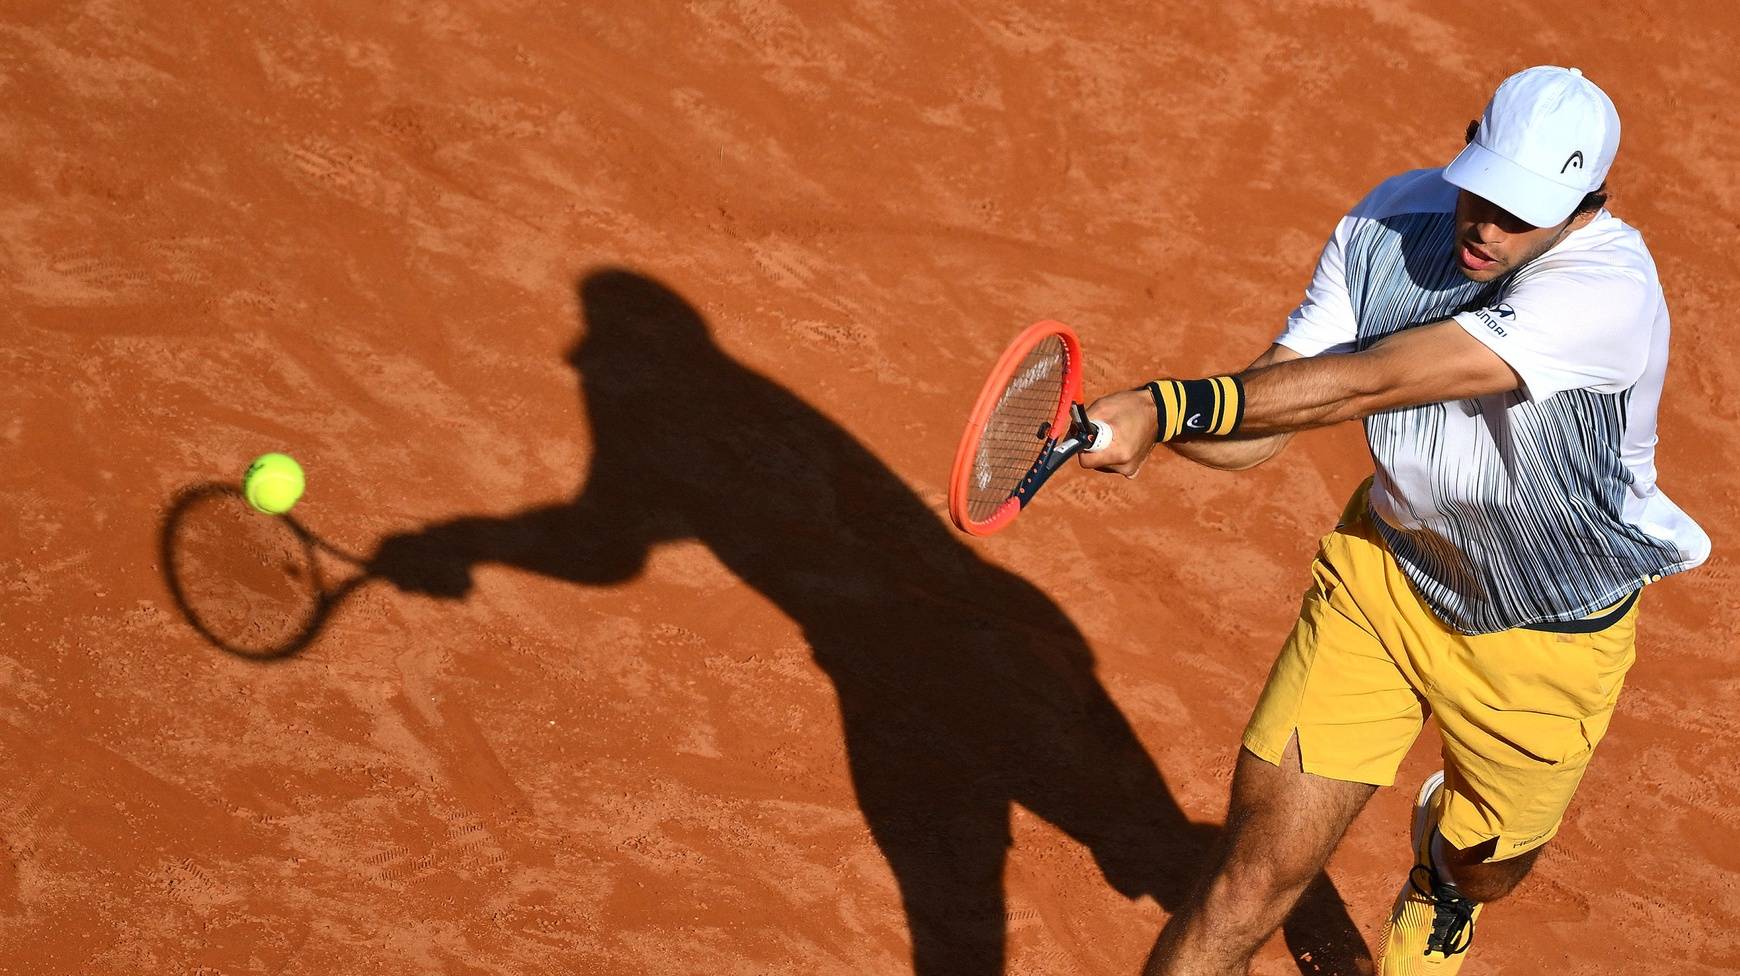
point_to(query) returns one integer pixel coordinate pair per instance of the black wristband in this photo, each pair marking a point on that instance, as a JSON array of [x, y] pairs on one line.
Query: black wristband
[[1213, 407]]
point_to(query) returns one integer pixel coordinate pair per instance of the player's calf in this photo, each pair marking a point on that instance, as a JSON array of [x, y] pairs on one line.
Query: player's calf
[[1235, 908], [1479, 879]]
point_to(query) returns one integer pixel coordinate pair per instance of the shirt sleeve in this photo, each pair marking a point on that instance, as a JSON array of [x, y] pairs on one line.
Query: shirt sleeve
[[1324, 321], [1569, 328]]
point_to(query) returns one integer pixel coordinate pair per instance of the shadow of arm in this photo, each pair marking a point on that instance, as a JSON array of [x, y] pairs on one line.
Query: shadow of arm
[[580, 542]]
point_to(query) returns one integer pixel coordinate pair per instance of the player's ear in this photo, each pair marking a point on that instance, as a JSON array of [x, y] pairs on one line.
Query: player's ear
[[1473, 127]]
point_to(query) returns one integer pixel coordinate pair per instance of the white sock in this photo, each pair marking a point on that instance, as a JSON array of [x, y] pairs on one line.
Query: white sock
[[1441, 863]]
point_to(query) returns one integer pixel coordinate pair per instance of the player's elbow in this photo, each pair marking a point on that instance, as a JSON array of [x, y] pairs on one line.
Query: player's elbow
[[1261, 452], [1239, 454]]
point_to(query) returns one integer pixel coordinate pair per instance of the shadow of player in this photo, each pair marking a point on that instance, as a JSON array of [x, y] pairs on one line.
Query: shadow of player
[[962, 687]]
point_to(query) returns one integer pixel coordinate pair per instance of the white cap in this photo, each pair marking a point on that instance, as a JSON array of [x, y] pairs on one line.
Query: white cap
[[1547, 138]]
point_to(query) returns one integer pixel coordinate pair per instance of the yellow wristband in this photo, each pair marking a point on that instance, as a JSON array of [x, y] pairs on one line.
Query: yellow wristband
[[1213, 407]]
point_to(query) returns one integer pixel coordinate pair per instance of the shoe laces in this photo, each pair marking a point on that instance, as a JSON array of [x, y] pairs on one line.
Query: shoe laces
[[1452, 914]]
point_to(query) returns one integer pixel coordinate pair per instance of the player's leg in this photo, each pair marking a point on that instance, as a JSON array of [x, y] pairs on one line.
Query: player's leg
[[1522, 712], [1333, 722], [1480, 878], [1431, 925], [1282, 825]]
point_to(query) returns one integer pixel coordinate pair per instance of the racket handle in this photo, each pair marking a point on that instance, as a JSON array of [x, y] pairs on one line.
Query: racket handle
[[1102, 437]]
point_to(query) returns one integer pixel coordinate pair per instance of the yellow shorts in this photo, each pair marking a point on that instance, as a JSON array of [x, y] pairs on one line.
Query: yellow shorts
[[1521, 710]]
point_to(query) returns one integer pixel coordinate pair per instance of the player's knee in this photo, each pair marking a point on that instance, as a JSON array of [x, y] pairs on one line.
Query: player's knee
[[1257, 887]]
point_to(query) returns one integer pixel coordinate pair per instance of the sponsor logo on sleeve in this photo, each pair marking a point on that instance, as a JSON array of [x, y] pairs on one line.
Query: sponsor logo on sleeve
[[1495, 317]]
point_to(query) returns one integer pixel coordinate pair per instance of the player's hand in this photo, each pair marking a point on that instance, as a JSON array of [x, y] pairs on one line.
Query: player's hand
[[418, 562], [1130, 414]]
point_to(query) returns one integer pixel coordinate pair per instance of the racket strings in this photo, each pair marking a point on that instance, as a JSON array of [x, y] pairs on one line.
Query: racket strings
[[250, 584], [1019, 427]]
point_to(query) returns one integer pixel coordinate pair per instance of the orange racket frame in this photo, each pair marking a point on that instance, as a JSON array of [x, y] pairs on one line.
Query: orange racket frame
[[1069, 430]]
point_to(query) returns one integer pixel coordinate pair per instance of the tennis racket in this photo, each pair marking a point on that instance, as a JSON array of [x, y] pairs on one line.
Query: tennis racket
[[252, 585], [1028, 421]]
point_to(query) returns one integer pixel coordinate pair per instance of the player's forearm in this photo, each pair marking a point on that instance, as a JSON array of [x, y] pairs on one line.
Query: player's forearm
[[1235, 453], [1242, 451], [1232, 454], [1315, 392]]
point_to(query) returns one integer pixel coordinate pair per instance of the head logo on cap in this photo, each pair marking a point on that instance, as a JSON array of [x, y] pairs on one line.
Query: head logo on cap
[[1537, 118]]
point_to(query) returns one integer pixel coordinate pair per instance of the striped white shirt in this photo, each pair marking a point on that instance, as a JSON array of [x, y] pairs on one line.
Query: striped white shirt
[[1527, 507]]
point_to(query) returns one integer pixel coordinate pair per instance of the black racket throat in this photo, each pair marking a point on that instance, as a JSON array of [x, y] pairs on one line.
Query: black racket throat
[[1057, 451]]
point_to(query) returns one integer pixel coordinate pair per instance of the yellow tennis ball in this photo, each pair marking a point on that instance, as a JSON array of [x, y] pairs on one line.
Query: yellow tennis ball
[[273, 483]]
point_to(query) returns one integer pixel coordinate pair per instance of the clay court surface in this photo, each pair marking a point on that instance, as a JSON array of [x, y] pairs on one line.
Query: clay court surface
[[649, 335]]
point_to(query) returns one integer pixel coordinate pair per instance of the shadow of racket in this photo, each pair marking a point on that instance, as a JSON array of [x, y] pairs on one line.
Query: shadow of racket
[[253, 585]]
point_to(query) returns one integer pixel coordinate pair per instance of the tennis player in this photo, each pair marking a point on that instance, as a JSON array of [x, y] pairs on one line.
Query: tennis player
[[1504, 338]]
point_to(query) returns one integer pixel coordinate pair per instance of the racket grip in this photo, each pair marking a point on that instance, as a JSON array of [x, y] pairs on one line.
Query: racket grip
[[1102, 437]]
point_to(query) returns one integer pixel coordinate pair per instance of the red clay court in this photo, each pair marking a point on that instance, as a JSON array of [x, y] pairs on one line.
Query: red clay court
[[668, 322]]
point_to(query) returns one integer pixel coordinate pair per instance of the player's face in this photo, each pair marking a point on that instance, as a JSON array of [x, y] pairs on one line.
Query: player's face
[[1491, 242]]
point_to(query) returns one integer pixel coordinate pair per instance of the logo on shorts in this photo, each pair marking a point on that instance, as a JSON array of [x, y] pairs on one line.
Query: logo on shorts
[[1575, 159], [1526, 841]]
